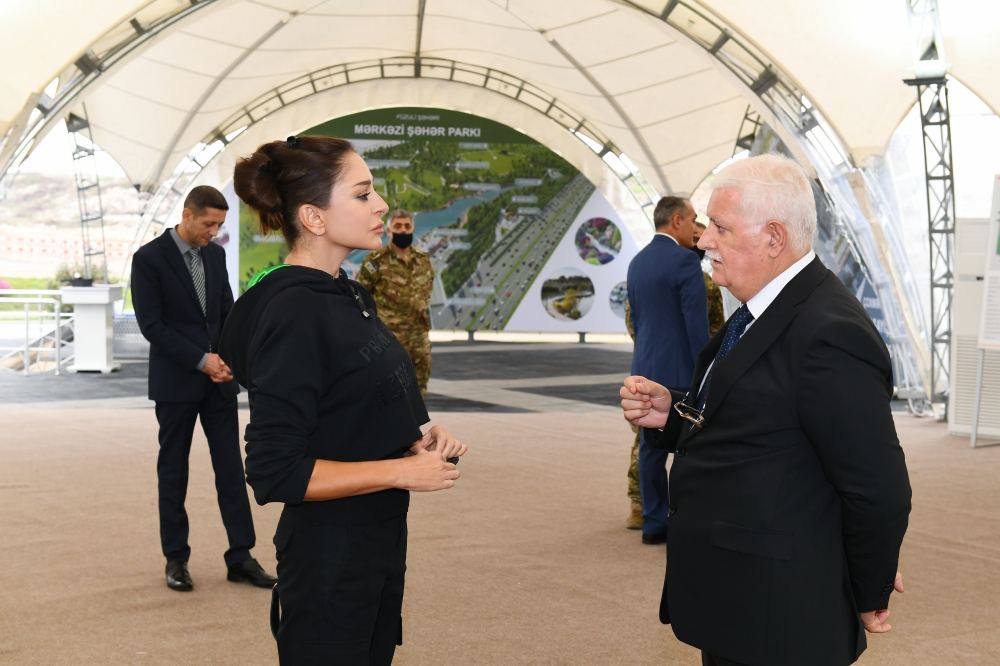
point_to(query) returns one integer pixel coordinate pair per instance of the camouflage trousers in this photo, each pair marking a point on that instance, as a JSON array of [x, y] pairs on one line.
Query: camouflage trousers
[[633, 470], [418, 345]]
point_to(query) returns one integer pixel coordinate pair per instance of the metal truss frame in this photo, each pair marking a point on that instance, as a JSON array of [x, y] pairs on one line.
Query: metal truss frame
[[111, 49], [165, 198], [935, 124], [88, 197], [791, 112]]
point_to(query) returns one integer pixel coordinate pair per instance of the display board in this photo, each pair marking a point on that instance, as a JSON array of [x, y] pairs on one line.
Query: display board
[[989, 318], [519, 239]]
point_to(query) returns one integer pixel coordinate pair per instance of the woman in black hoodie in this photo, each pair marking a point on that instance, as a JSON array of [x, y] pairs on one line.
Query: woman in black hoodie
[[335, 411]]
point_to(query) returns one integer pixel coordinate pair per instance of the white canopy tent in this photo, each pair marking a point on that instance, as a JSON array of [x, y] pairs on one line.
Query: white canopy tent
[[180, 69], [645, 97]]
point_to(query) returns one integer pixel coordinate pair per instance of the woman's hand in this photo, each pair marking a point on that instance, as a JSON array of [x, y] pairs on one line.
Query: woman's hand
[[439, 440], [425, 470]]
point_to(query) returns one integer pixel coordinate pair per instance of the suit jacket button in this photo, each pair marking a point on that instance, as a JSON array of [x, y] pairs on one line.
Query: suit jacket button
[[682, 450]]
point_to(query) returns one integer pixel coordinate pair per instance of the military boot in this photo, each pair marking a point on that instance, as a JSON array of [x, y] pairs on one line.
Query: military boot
[[634, 520]]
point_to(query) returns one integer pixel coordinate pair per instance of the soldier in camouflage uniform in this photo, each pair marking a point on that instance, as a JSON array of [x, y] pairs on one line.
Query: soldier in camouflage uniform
[[716, 316], [400, 278], [634, 520]]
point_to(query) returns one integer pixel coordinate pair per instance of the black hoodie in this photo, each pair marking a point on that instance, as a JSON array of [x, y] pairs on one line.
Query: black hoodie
[[326, 380]]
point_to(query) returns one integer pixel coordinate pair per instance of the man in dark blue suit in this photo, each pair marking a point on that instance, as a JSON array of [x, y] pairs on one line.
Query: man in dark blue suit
[[666, 294], [181, 295]]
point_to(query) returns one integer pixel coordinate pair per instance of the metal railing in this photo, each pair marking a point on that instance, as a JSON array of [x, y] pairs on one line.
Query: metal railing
[[43, 318]]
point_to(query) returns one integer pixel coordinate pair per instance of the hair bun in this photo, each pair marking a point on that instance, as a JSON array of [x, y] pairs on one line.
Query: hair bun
[[255, 181], [282, 176]]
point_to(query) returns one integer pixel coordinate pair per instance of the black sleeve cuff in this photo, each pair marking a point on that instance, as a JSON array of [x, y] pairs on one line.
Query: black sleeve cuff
[[666, 437]]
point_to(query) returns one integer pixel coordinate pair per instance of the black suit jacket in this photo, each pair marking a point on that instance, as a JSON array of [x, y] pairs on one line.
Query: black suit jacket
[[170, 317], [789, 504]]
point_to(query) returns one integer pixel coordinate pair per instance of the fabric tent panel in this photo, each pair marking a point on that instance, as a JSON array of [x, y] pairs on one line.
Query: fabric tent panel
[[105, 109], [366, 8], [554, 78], [116, 145], [308, 31], [970, 47], [652, 6], [689, 133], [192, 53], [547, 16], [443, 36], [845, 55], [596, 110], [235, 93], [694, 133], [201, 126], [610, 36], [47, 36], [689, 172], [269, 66], [478, 11], [288, 7], [678, 98], [239, 23], [154, 82], [672, 61], [121, 135]]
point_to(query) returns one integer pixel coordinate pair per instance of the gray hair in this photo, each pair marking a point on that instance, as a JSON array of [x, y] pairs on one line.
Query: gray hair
[[773, 187]]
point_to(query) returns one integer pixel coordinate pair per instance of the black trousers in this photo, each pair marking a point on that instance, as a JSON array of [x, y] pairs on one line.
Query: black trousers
[[340, 593], [708, 659], [221, 425]]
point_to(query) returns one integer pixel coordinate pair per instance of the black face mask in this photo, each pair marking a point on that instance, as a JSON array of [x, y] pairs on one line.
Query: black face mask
[[402, 241], [697, 250]]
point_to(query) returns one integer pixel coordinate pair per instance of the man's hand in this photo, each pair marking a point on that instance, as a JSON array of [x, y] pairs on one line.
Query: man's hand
[[876, 622], [644, 402], [216, 369]]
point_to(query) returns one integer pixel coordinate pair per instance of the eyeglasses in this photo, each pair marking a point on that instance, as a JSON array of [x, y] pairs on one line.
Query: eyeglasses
[[695, 416]]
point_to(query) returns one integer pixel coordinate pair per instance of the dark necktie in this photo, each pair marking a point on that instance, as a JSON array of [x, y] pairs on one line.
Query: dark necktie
[[197, 275], [737, 324]]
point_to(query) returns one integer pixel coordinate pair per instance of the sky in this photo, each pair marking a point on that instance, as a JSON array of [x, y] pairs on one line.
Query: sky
[[54, 156]]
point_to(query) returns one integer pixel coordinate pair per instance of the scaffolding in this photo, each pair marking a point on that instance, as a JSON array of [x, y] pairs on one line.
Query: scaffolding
[[88, 195], [935, 123]]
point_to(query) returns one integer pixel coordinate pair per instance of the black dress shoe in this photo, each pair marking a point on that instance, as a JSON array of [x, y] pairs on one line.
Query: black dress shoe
[[178, 577], [250, 571], [653, 539]]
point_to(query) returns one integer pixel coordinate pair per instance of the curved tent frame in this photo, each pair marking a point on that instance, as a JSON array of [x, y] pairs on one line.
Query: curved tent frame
[[607, 125]]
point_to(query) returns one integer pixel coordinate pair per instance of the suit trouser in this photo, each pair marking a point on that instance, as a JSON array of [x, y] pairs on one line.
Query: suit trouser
[[653, 488], [708, 659], [339, 595], [220, 422]]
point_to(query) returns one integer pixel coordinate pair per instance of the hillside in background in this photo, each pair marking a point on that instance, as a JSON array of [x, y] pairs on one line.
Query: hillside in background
[[40, 225]]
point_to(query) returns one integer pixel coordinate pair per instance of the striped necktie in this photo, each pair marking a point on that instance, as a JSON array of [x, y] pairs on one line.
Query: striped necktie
[[197, 275]]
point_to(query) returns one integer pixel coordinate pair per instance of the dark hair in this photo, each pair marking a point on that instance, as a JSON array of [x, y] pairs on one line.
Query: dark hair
[[399, 212], [666, 208], [281, 176], [205, 196]]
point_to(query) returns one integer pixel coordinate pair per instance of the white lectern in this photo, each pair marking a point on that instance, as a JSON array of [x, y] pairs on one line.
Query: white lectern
[[93, 328]]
